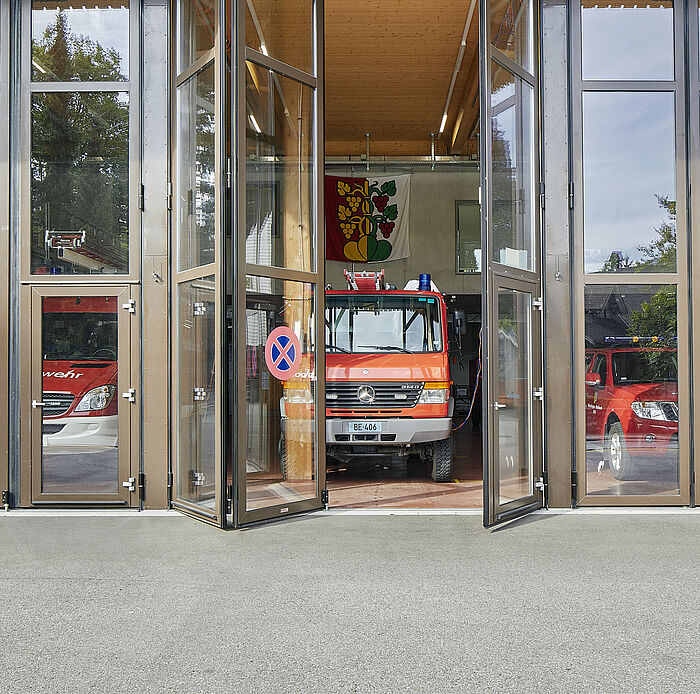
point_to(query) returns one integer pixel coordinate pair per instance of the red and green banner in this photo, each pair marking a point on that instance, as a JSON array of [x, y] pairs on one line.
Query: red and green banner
[[367, 218]]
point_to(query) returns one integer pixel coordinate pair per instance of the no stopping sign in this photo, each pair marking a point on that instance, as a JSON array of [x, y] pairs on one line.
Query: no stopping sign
[[282, 352]]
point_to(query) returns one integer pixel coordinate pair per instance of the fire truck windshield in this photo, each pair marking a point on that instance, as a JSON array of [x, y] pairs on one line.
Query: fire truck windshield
[[369, 324], [85, 336], [644, 366]]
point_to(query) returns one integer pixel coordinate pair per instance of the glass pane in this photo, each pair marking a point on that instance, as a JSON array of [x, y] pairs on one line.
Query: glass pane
[[196, 29], [468, 237], [512, 30], [279, 171], [80, 183], [281, 458], [629, 181], [513, 396], [513, 172], [79, 373], [631, 390], [73, 42], [282, 30], [196, 403], [627, 43], [194, 177]]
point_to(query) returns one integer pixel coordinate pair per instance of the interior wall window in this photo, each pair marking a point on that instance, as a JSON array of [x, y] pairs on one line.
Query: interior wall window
[[72, 42], [196, 29], [627, 43], [80, 183], [195, 176], [512, 30], [468, 236]]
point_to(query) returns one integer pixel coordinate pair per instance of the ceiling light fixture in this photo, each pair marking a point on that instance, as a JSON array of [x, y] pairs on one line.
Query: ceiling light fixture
[[254, 123], [443, 123]]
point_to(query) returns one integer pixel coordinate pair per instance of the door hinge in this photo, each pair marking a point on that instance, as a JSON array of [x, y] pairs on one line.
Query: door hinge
[[142, 198], [571, 195], [539, 484], [324, 497], [228, 172], [199, 394], [130, 395], [142, 486], [229, 498], [169, 479], [6, 499], [198, 479], [574, 490], [130, 305], [538, 393], [199, 308], [169, 196], [130, 484], [542, 198], [537, 303]]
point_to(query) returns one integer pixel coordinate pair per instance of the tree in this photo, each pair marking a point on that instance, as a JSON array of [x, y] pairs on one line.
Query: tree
[[660, 254]]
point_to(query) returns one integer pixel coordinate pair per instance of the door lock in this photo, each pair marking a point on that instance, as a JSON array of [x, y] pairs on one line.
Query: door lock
[[130, 395], [130, 484], [36, 403]]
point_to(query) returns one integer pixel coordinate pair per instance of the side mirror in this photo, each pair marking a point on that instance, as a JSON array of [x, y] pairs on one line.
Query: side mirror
[[593, 379]]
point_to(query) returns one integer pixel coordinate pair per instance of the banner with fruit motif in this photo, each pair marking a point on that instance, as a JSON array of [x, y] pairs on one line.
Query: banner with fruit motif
[[367, 218]]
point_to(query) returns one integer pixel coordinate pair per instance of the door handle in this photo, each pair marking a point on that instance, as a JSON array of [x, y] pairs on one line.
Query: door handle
[[498, 406], [36, 403]]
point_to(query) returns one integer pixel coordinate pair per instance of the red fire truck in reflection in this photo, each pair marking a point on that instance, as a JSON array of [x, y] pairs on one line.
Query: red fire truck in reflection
[[632, 403], [79, 374], [387, 373]]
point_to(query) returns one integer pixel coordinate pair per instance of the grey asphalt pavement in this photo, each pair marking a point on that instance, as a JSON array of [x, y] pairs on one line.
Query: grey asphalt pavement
[[341, 604]]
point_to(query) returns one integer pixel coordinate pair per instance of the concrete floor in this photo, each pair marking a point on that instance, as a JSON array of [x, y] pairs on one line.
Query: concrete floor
[[351, 604]]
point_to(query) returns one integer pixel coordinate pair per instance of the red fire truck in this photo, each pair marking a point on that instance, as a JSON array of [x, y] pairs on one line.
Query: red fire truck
[[388, 388], [79, 346]]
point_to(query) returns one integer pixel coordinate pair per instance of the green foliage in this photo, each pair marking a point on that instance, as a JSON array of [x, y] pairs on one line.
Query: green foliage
[[657, 317]]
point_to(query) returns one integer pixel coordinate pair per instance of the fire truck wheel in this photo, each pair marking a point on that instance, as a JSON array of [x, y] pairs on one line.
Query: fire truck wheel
[[621, 464], [443, 453], [284, 457]]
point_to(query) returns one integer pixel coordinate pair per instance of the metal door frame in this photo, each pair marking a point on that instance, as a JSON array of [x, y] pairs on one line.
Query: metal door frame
[[495, 275], [240, 268], [128, 371]]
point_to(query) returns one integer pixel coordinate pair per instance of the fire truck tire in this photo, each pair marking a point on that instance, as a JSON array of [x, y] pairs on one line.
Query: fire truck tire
[[621, 464], [284, 457], [443, 454]]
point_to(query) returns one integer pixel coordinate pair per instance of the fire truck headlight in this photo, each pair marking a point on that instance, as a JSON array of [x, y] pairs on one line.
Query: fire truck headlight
[[649, 410], [96, 399], [435, 393]]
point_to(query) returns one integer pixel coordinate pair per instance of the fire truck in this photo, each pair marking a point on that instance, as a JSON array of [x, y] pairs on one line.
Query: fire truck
[[388, 388], [79, 371]]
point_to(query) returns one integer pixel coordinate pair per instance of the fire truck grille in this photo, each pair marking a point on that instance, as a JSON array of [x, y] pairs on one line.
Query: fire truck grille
[[56, 403], [376, 395]]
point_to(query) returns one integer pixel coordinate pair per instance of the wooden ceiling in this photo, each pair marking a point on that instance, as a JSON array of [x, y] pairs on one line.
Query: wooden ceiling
[[388, 71]]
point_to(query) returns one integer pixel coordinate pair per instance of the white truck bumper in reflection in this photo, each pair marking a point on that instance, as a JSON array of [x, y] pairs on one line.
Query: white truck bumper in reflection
[[393, 431], [80, 431]]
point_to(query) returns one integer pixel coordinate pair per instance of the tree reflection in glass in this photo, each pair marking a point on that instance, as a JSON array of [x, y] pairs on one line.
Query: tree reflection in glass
[[80, 44]]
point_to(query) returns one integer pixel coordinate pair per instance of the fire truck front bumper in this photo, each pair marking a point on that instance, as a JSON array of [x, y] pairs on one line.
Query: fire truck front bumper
[[387, 431], [80, 431]]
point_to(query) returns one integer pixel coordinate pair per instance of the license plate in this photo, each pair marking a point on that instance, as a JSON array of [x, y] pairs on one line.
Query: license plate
[[365, 427]]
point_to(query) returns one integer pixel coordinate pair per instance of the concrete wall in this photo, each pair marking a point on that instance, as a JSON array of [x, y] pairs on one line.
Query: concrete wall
[[432, 221]]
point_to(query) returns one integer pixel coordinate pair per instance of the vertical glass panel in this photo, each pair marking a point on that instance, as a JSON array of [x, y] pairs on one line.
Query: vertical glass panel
[[512, 30], [280, 395], [513, 396], [631, 390], [79, 375], [627, 43], [282, 30], [279, 171], [196, 402], [629, 182], [195, 29], [195, 167], [80, 183], [513, 176], [468, 236], [73, 42]]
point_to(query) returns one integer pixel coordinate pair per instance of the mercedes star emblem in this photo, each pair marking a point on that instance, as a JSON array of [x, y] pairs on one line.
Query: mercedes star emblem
[[365, 394]]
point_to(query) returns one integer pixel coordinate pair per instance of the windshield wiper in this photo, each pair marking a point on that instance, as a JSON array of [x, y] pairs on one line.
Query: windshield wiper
[[340, 349], [389, 347]]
